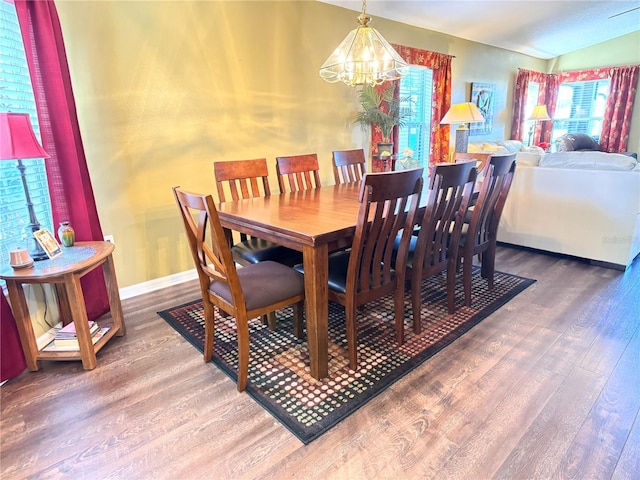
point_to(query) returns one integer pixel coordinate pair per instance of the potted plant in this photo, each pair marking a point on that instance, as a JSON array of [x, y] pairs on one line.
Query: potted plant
[[385, 116]]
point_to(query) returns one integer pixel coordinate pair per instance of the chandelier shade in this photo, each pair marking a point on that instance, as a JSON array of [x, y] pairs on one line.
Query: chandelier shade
[[363, 58]]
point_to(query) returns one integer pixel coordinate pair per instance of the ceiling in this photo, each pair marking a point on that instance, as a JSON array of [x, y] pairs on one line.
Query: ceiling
[[539, 28]]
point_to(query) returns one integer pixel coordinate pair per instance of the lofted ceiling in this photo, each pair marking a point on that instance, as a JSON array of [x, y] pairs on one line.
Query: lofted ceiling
[[539, 28]]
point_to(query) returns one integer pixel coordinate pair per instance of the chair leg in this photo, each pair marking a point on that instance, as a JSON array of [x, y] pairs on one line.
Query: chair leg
[[352, 335], [399, 312], [298, 320], [451, 287], [467, 269], [416, 302], [242, 326], [272, 321], [489, 263], [209, 330]]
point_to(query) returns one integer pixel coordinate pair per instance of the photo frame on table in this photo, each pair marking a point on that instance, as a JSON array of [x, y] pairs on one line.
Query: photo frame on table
[[482, 95], [48, 242]]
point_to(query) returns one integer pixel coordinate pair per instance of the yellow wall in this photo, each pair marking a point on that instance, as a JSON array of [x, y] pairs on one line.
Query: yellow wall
[[164, 89]]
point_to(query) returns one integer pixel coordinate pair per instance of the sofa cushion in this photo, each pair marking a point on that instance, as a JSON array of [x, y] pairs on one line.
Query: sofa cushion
[[530, 159], [482, 147], [506, 146], [533, 149], [588, 161], [512, 146], [572, 142]]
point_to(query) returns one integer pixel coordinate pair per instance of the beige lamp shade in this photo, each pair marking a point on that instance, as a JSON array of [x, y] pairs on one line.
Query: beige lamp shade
[[539, 113], [462, 113]]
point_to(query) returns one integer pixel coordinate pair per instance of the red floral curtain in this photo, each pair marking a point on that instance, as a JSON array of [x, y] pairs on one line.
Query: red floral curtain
[[67, 172], [440, 63], [551, 101], [617, 114], [523, 79]]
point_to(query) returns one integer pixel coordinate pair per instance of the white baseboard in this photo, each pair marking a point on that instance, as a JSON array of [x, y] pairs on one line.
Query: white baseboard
[[157, 284]]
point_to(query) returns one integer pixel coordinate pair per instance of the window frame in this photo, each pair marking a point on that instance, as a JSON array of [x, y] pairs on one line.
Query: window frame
[[16, 95]]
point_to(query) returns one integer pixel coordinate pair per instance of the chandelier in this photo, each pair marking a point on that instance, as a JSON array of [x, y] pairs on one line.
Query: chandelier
[[363, 57]]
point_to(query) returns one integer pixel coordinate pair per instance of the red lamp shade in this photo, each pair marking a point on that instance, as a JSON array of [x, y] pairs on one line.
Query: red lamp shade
[[17, 138]]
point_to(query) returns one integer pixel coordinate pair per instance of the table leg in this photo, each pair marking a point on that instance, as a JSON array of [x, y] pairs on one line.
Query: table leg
[[78, 309], [63, 304], [316, 272], [23, 322], [109, 271]]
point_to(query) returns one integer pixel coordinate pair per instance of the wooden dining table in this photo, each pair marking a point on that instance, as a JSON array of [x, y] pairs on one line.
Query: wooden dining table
[[315, 222]]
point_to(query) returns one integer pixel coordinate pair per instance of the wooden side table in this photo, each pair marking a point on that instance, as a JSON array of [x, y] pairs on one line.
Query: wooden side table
[[65, 272]]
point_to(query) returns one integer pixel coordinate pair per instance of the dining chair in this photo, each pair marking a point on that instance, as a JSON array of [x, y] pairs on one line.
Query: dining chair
[[244, 293], [299, 172], [435, 247], [348, 165], [388, 206], [479, 235], [242, 179]]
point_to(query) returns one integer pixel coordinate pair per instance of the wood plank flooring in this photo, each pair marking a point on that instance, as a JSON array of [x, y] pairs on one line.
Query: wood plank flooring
[[548, 387]]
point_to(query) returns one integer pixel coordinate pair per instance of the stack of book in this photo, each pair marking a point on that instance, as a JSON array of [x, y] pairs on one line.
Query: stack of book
[[66, 339]]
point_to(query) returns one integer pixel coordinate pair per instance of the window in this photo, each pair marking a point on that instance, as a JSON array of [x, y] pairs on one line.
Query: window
[[16, 95], [417, 88], [580, 108], [532, 100]]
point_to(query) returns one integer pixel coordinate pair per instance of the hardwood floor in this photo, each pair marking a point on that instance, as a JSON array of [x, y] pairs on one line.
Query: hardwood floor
[[547, 387]]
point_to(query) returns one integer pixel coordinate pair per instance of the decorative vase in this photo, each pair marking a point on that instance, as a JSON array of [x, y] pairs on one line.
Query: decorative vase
[[385, 147], [66, 234]]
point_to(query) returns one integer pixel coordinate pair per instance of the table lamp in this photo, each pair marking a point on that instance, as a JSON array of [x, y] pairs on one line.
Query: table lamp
[[539, 114], [18, 142], [462, 113]]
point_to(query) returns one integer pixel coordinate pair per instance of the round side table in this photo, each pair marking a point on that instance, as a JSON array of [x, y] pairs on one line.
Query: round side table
[[65, 272]]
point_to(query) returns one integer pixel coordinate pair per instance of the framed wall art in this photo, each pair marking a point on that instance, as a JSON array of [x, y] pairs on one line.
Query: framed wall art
[[482, 95]]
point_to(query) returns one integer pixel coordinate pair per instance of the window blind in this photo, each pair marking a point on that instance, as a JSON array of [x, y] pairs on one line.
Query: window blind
[[417, 87]]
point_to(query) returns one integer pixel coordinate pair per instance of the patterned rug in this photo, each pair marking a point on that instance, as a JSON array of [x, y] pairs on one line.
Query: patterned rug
[[279, 376]]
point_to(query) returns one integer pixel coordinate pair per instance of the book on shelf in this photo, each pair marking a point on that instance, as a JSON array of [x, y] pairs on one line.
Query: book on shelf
[[72, 345], [69, 331]]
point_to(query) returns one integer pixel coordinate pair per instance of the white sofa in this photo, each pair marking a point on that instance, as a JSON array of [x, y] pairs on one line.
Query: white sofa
[[584, 204]]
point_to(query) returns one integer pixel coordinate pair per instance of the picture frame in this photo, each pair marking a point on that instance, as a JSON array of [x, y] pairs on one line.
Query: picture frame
[[48, 242], [482, 95]]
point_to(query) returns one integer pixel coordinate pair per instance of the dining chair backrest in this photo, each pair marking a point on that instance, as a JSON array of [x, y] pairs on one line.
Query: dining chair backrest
[[484, 220], [435, 250], [348, 165], [242, 178], [213, 259], [481, 159], [480, 236], [299, 172], [450, 191], [388, 204]]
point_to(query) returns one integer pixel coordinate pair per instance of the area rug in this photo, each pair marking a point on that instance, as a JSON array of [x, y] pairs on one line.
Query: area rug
[[279, 376]]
